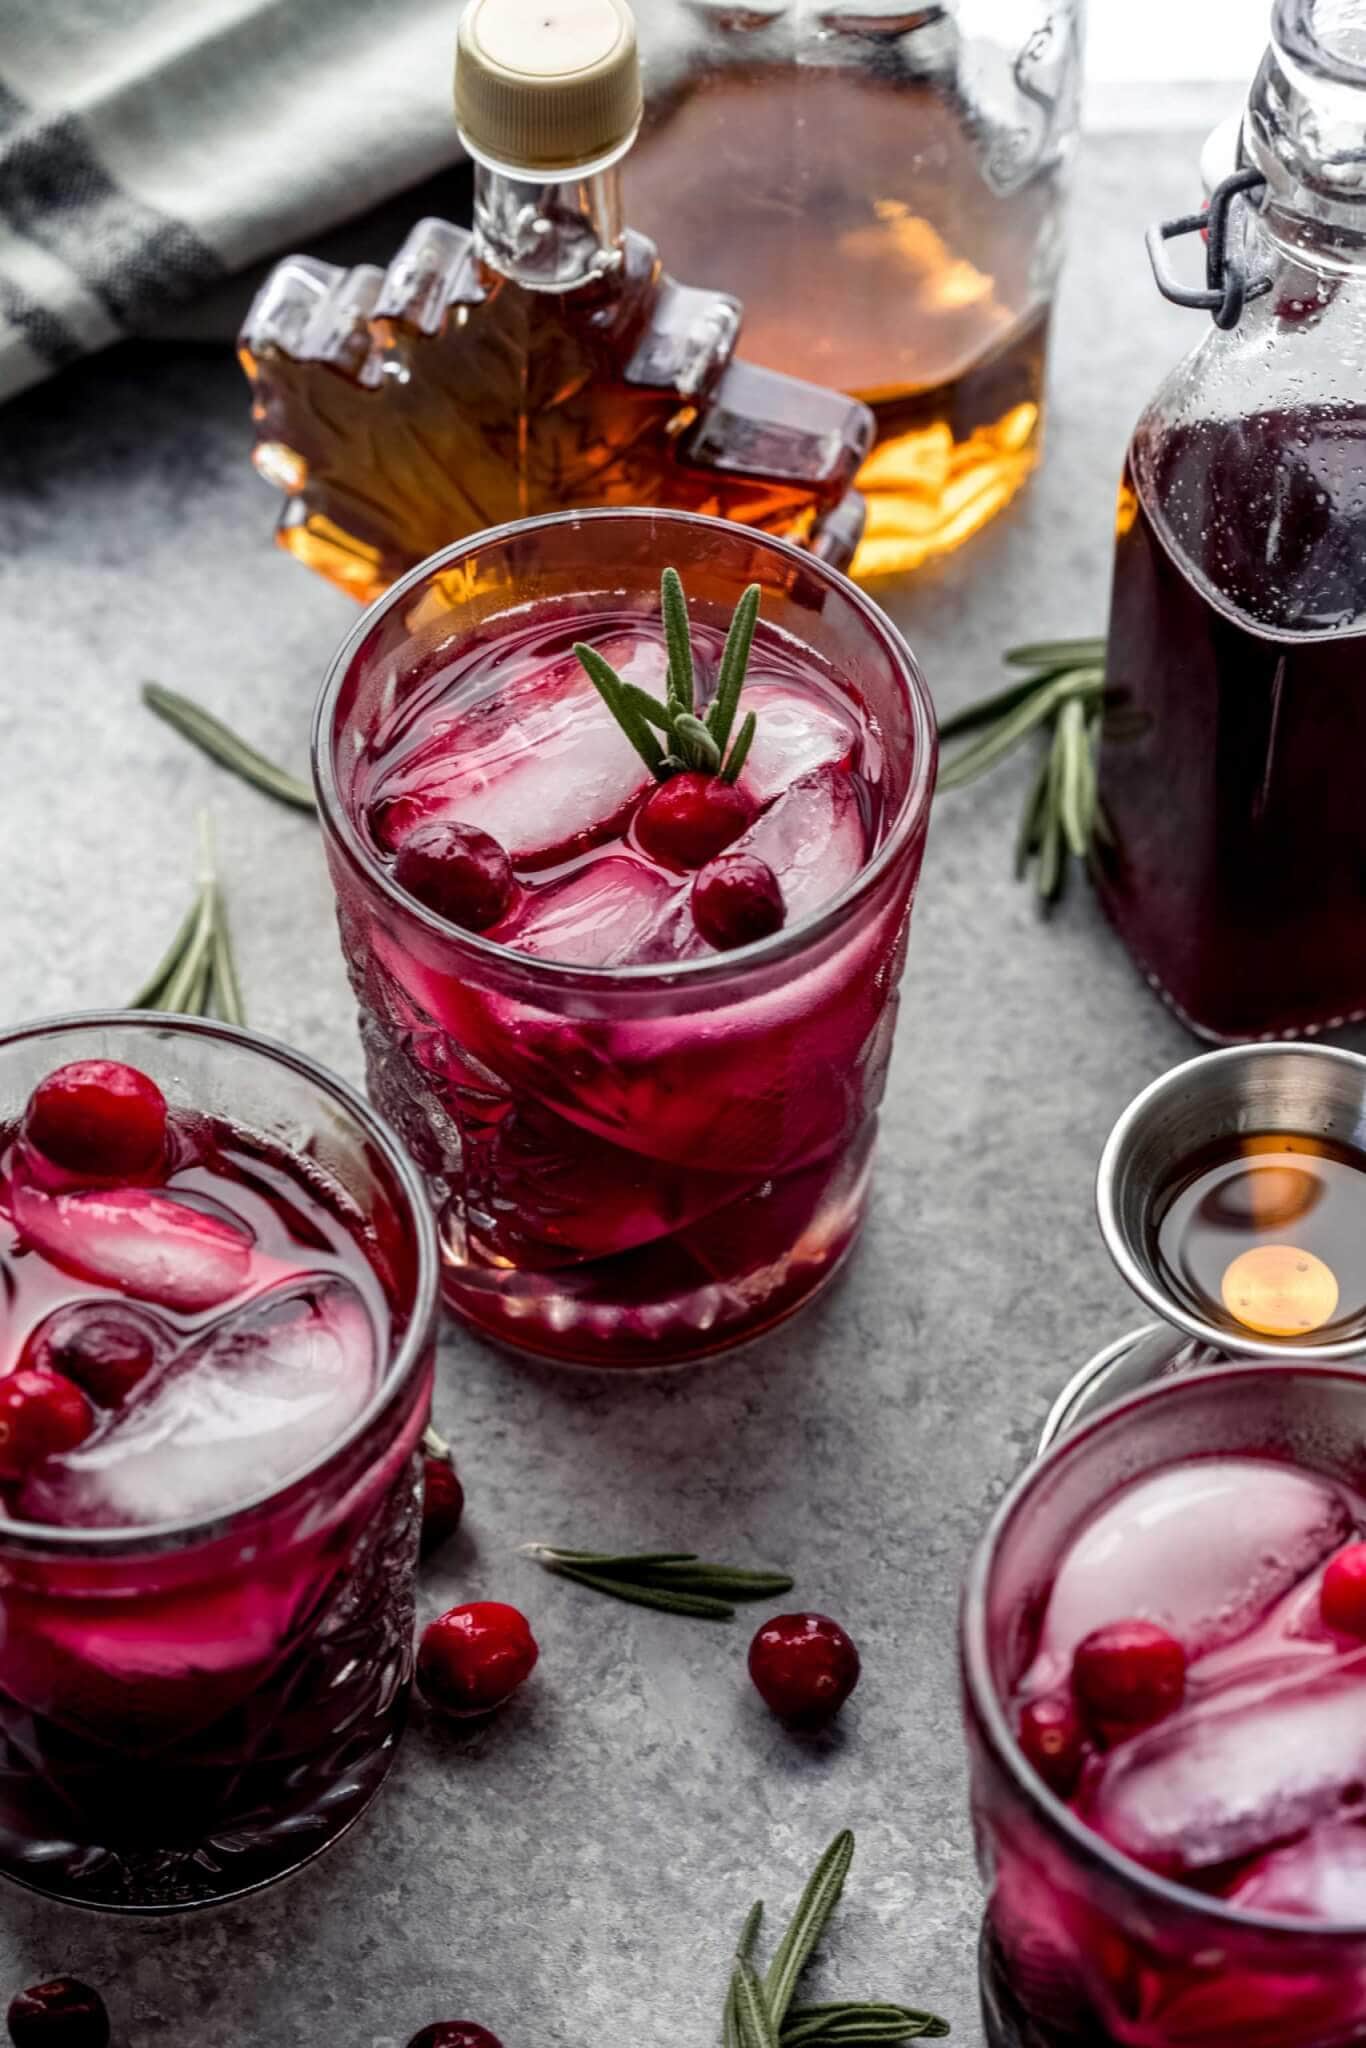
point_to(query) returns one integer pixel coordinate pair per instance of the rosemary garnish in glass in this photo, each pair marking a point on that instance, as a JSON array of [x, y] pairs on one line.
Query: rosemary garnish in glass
[[676, 1581], [1062, 696], [223, 745], [197, 975], [759, 2012], [688, 742]]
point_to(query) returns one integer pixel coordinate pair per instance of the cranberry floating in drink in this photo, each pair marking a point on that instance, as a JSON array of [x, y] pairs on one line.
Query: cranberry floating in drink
[[1165, 1660], [642, 1074], [215, 1364], [1230, 759]]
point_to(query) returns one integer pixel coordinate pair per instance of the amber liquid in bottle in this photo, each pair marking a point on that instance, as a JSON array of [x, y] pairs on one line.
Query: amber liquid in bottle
[[1232, 750], [545, 361], [849, 282]]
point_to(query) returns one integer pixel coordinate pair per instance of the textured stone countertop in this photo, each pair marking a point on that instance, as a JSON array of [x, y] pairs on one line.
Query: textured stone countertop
[[573, 1874]]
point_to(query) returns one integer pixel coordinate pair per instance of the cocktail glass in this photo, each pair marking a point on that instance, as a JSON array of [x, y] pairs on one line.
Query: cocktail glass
[[191, 1709], [643, 1164], [1082, 1947]]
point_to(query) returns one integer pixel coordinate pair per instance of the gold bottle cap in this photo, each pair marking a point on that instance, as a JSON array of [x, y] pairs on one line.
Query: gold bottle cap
[[547, 85]]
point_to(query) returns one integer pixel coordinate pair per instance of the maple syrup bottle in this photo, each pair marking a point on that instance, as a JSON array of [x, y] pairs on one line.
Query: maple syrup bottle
[[544, 361], [1233, 753]]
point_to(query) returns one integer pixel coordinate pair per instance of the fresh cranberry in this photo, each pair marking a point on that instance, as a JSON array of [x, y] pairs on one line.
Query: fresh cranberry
[[99, 1118], [1129, 1672], [459, 872], [1053, 1740], [475, 1657], [443, 1501], [105, 1350], [1342, 1597], [41, 1414], [736, 900], [805, 1667], [61, 2014], [455, 2034], [691, 817]]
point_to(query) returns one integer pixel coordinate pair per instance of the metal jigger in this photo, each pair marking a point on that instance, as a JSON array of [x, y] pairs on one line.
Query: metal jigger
[[1312, 1091]]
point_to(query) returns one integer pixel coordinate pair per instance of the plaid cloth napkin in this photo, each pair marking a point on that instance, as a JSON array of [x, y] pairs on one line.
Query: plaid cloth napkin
[[151, 148]]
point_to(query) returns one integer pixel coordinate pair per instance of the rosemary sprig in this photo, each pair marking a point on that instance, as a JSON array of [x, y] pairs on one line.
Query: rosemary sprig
[[675, 1581], [223, 745], [197, 976], [842, 2025], [1062, 696], [689, 741], [760, 2014]]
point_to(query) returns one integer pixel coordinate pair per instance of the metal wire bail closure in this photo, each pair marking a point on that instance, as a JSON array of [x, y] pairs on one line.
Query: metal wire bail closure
[[1228, 290]]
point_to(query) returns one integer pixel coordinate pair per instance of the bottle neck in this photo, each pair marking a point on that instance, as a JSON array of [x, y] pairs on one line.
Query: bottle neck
[[550, 237]]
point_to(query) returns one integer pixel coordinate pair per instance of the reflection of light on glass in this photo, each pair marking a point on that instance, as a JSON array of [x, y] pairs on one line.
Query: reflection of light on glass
[[1278, 1290], [908, 242], [928, 493], [1126, 510]]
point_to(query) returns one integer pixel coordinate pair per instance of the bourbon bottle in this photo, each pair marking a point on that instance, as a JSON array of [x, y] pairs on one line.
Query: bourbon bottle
[[545, 360]]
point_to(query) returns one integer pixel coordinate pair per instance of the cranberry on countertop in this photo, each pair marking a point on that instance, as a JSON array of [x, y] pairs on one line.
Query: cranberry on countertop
[[41, 1414], [691, 817], [737, 899], [63, 2013], [443, 1499], [461, 873], [1054, 1741], [473, 1658], [1129, 1673], [98, 1118], [804, 1666], [455, 2034]]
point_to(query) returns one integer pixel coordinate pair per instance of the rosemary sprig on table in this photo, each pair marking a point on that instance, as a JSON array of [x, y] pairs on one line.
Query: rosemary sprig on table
[[223, 745], [688, 741], [676, 1581], [197, 975], [1062, 695], [759, 2012]]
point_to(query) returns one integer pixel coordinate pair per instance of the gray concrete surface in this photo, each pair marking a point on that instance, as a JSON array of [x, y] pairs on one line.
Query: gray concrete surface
[[573, 1874]]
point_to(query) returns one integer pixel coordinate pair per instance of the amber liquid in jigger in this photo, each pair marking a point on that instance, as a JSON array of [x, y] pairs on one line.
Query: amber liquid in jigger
[[1266, 1235]]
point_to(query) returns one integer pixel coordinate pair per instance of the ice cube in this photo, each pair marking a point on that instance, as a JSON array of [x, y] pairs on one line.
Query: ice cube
[[139, 1242], [1236, 1774], [1323, 1876], [616, 912], [796, 732], [1203, 1548], [812, 838], [245, 1406], [543, 766]]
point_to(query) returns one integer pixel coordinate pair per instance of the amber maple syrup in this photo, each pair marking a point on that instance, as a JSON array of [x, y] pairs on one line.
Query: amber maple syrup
[[1266, 1234], [853, 263]]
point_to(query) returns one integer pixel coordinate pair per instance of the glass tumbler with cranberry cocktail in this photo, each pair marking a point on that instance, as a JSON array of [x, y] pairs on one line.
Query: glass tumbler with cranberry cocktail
[[623, 870], [1164, 1646], [217, 1299]]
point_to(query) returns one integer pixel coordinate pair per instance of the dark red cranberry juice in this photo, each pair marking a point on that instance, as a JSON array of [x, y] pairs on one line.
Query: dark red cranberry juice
[[1231, 757], [186, 1715], [1193, 1686], [622, 1183]]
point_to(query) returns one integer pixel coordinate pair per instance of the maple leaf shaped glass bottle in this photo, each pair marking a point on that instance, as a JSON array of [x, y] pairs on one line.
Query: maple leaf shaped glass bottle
[[546, 360]]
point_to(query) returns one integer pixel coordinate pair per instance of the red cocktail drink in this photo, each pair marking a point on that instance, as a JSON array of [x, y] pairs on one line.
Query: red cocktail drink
[[1165, 1663], [632, 1020], [215, 1366]]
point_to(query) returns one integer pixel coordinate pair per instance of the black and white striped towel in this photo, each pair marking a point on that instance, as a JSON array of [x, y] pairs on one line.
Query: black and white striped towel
[[151, 148]]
